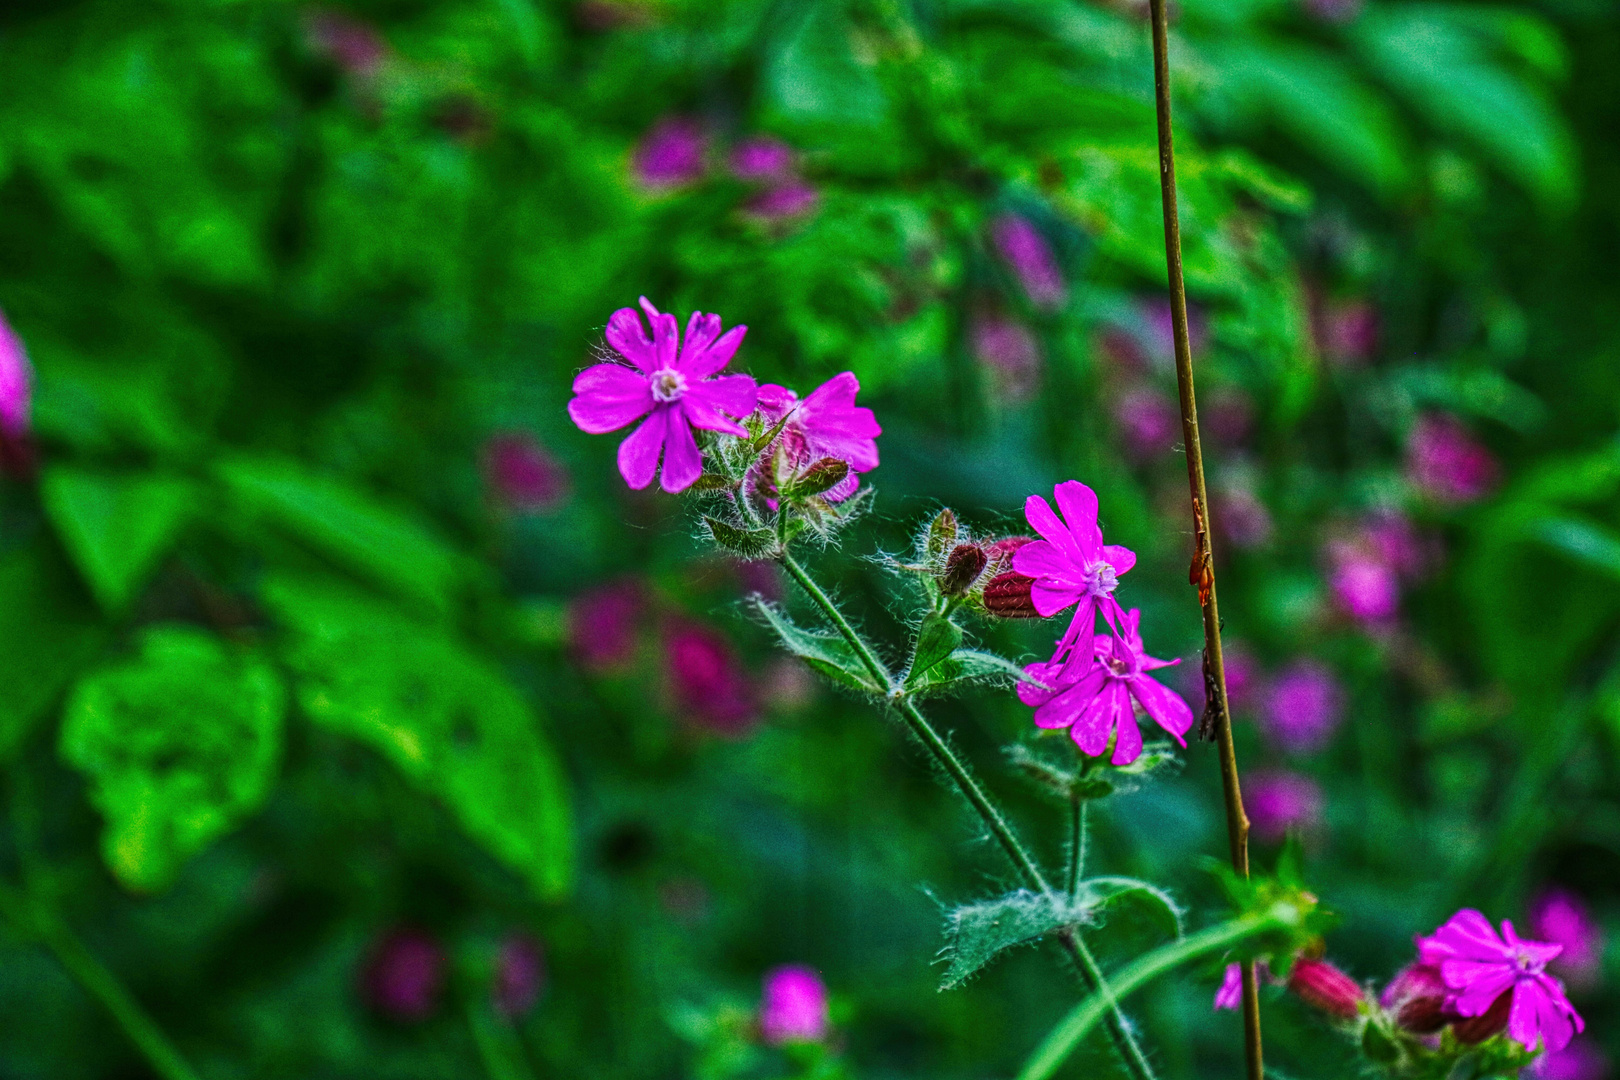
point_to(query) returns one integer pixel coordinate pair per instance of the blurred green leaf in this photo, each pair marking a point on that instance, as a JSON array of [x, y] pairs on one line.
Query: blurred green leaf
[[444, 716], [349, 526], [1585, 541], [116, 526], [49, 628], [179, 744], [814, 74]]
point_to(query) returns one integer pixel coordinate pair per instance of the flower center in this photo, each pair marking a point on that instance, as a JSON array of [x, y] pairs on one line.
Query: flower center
[[667, 385], [1101, 580], [1118, 666], [1526, 964]]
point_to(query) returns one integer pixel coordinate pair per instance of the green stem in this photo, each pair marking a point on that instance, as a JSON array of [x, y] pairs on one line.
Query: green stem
[[1091, 975], [497, 1045], [1077, 842], [101, 984], [1058, 1045]]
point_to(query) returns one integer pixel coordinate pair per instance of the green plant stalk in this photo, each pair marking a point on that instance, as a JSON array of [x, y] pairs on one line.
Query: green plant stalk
[[1060, 1043], [100, 983], [1077, 842], [497, 1045], [1203, 566], [1090, 973]]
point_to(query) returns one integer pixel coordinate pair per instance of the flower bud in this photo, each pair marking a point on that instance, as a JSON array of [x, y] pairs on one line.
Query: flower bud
[[941, 533], [1417, 997], [1001, 551], [1319, 983], [962, 568], [1476, 1029], [1007, 595]]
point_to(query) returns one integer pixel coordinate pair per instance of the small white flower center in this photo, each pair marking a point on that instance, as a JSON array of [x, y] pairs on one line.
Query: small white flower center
[[1526, 964], [1101, 580], [667, 385]]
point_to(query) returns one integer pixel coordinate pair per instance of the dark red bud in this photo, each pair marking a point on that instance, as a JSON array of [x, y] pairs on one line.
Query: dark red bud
[[1319, 983], [1417, 997], [1475, 1029], [1001, 551], [1007, 595], [962, 568]]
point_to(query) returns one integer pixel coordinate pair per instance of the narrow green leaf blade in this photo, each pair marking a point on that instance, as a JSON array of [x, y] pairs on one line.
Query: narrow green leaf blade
[[826, 653]]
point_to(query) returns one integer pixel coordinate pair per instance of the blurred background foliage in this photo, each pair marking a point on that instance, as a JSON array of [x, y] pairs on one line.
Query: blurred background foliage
[[361, 723]]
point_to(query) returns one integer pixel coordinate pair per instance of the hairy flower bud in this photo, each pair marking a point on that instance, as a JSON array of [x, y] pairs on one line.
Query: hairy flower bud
[[962, 568], [1476, 1029], [1007, 595], [1001, 551], [1319, 983], [1417, 997], [941, 533]]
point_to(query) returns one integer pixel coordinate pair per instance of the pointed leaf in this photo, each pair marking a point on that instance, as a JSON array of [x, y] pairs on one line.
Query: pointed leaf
[[978, 932], [964, 666], [828, 654], [826, 473], [936, 640], [748, 543], [116, 527]]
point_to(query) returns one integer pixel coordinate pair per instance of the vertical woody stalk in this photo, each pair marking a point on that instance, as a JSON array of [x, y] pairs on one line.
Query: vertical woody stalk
[[1217, 719]]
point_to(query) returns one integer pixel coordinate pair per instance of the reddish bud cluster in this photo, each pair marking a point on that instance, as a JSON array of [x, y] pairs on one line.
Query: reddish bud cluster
[[962, 568], [1324, 986]]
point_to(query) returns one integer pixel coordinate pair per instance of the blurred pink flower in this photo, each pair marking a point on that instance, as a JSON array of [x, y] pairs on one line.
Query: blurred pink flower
[[1365, 587], [1582, 1059], [524, 476], [1445, 462], [759, 577], [1228, 416], [1240, 515], [1560, 916], [1148, 422], [520, 972], [353, 45], [1392, 536], [1321, 984], [787, 684], [1479, 967], [1242, 677], [1333, 11], [1346, 332], [404, 975], [674, 153], [827, 424], [602, 624], [676, 392], [1302, 706], [1230, 994], [762, 158], [16, 384], [710, 687], [1096, 701], [1030, 258], [783, 200], [1278, 801], [1010, 351], [794, 1008]]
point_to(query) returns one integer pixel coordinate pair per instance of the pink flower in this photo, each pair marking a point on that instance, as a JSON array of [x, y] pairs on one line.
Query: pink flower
[[1347, 333], [710, 687], [1031, 261], [1008, 349], [1148, 422], [1071, 564], [786, 199], [1228, 417], [1240, 515], [1096, 701], [676, 390], [794, 1008], [1559, 916], [602, 624], [1479, 966], [1320, 984], [16, 385], [827, 424], [1302, 706], [354, 46], [523, 474], [1230, 995], [1417, 997], [404, 975], [520, 971], [1279, 801], [1580, 1060], [1444, 461], [1365, 587], [672, 154], [762, 158]]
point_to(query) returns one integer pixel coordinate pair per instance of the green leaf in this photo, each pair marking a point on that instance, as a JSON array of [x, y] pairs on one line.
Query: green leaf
[[50, 628], [116, 526], [179, 745], [820, 476], [965, 666], [350, 527], [936, 640], [446, 718], [828, 654], [748, 543], [1584, 541]]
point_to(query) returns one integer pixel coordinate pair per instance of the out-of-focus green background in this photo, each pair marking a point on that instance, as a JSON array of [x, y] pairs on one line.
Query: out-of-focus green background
[[329, 650]]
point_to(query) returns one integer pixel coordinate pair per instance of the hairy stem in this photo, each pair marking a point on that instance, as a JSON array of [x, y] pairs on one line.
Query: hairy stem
[[99, 982], [1077, 842], [1203, 566], [1091, 975]]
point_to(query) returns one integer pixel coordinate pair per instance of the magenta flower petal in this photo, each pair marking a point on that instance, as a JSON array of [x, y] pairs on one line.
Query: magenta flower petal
[[683, 462], [734, 394], [1051, 599], [1478, 967], [1078, 504], [1230, 995], [1044, 520], [608, 396], [628, 337], [825, 424], [1095, 721], [1118, 556], [1064, 707], [1128, 743], [16, 384], [638, 454], [1166, 707]]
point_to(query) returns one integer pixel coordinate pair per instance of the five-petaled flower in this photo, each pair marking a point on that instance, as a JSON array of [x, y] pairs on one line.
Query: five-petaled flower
[[1071, 565], [826, 424], [673, 390], [1094, 702], [1479, 967]]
